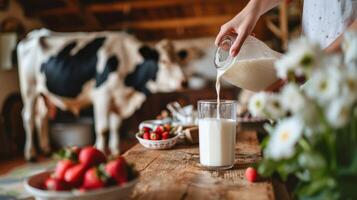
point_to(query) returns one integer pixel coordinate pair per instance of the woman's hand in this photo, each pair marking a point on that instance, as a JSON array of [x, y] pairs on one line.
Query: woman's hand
[[244, 22], [241, 25]]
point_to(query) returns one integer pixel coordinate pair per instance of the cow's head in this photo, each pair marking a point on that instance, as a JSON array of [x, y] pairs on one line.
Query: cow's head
[[158, 71], [169, 76]]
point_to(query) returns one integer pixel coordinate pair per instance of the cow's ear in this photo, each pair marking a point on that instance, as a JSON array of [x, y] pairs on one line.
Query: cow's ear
[[148, 53]]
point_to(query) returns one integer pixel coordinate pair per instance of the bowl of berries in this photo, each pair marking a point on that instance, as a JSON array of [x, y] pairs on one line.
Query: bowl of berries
[[84, 174], [159, 136]]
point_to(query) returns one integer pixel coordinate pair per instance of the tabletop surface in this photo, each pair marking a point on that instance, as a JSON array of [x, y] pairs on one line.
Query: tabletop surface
[[176, 173]]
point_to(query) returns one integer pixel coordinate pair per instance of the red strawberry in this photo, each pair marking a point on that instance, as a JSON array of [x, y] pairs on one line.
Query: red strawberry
[[61, 168], [165, 135], [90, 156], [155, 136], [251, 174], [93, 179], [159, 129], [56, 184], [117, 170], [74, 175], [146, 136], [146, 129]]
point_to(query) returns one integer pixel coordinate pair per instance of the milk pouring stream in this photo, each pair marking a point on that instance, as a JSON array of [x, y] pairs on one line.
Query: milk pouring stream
[[252, 69]]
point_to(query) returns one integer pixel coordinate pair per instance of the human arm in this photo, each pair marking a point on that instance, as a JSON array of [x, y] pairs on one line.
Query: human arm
[[244, 22], [335, 46]]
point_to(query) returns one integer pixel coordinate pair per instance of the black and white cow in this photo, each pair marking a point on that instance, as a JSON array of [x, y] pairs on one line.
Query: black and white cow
[[113, 71]]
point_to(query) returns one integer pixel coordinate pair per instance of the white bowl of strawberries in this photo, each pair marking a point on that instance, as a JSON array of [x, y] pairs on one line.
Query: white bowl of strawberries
[[84, 174], [158, 137]]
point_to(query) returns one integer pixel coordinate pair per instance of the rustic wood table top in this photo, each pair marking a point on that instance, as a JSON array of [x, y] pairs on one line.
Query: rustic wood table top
[[176, 173]]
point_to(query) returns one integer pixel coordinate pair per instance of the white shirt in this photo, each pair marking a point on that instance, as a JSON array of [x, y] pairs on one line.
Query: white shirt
[[324, 20]]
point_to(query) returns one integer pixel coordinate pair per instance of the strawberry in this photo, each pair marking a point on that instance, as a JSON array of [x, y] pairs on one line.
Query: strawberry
[[146, 136], [155, 136], [116, 169], [76, 150], [90, 156], [61, 167], [167, 127], [56, 184], [70, 153], [251, 174], [159, 129], [146, 129], [93, 179], [74, 175], [165, 135]]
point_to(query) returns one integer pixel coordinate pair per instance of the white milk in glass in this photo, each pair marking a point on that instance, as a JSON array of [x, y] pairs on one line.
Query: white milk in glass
[[217, 141]]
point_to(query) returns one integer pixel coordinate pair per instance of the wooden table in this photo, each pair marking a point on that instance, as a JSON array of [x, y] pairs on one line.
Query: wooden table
[[176, 174]]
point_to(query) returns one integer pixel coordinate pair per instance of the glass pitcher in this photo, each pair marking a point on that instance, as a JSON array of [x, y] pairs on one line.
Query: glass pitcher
[[253, 67]]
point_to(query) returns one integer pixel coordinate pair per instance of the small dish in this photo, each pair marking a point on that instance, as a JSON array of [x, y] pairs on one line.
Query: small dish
[[158, 144]]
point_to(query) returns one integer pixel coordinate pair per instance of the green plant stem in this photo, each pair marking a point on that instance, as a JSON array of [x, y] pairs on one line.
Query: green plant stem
[[330, 138], [304, 144]]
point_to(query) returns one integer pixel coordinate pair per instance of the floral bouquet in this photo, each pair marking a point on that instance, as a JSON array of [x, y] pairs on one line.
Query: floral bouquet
[[315, 135]]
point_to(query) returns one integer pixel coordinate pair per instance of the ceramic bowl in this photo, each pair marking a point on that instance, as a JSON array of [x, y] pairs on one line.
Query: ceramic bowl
[[158, 144], [34, 184]]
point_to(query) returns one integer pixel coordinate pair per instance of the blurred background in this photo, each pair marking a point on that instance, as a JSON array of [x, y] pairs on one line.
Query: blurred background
[[190, 24]]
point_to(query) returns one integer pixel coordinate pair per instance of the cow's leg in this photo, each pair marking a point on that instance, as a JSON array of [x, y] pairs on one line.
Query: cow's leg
[[101, 116], [41, 122], [114, 125], [28, 120]]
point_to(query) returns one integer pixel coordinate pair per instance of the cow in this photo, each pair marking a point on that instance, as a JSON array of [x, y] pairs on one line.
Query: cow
[[112, 71]]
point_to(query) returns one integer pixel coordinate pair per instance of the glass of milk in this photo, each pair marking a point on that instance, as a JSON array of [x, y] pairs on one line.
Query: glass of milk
[[217, 133]]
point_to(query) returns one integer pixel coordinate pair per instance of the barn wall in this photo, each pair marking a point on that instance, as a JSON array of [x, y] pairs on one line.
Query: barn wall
[[15, 10], [9, 82]]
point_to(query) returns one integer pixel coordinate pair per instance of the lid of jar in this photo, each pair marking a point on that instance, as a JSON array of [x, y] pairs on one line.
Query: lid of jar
[[222, 56]]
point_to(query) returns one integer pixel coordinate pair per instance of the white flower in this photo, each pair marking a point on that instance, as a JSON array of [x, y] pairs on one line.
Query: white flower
[[282, 142], [285, 66], [292, 99], [349, 84], [349, 46], [324, 84], [338, 112], [309, 114], [257, 103], [330, 60], [273, 108], [301, 57]]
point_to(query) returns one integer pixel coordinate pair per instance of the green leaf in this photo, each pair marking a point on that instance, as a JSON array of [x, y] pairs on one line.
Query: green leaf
[[287, 168], [323, 195], [267, 167], [312, 160], [303, 175], [316, 186], [347, 186]]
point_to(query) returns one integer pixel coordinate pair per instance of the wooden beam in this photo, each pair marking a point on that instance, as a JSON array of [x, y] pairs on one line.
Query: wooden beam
[[73, 7], [56, 11], [144, 4], [129, 5], [173, 23], [90, 19]]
